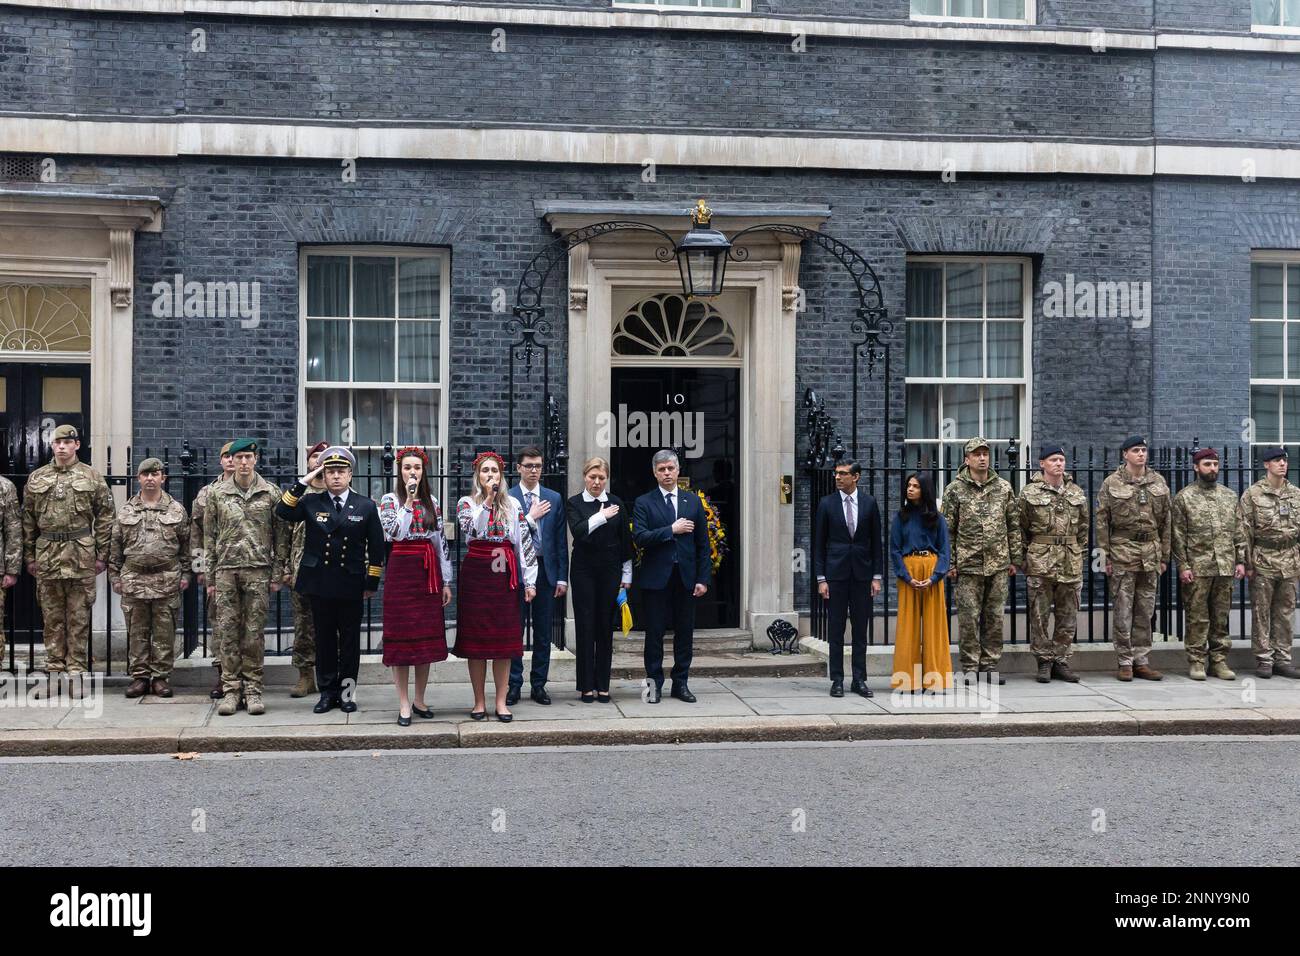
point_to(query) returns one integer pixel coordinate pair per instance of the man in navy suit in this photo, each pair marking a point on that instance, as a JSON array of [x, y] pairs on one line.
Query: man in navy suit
[[544, 509], [847, 563], [672, 532]]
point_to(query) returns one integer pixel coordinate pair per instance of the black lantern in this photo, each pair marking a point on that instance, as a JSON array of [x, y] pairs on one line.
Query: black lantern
[[702, 256]]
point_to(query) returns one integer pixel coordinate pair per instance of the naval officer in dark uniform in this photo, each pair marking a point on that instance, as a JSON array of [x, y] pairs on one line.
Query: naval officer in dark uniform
[[342, 560]]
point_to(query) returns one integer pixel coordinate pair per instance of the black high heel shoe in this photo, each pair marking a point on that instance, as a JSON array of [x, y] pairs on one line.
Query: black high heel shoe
[[603, 698], [478, 714], [588, 698], [419, 712], [505, 718], [403, 721]]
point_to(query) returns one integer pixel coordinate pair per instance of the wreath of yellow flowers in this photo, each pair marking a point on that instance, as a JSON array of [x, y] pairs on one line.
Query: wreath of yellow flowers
[[719, 547]]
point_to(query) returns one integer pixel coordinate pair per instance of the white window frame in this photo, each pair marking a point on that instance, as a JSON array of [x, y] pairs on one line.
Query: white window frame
[[1275, 257], [438, 456], [1289, 29], [1031, 16], [1024, 438], [744, 6]]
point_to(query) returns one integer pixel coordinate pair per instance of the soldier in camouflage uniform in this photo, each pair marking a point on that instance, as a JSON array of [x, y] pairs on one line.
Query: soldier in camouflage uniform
[[1270, 523], [304, 626], [197, 511], [1207, 537], [240, 531], [1053, 515], [980, 509], [11, 548], [148, 564], [1134, 522], [67, 523]]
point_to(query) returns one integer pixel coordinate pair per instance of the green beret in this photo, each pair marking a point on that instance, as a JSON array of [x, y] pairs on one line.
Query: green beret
[[242, 444], [64, 431], [150, 464]]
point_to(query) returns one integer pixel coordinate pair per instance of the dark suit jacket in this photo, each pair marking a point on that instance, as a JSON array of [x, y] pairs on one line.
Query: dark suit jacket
[[550, 542], [836, 557], [343, 555], [653, 519]]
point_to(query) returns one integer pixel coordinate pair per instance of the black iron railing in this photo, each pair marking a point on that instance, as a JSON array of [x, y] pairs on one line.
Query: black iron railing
[[1088, 468], [187, 473]]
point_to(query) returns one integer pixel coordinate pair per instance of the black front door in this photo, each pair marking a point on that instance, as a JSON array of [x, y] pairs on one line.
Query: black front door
[[705, 433], [37, 397]]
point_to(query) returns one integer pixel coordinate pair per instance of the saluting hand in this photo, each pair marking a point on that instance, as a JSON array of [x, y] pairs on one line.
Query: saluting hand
[[312, 475]]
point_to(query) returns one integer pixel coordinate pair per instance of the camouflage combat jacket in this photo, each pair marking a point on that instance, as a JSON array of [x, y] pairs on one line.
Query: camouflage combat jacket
[[11, 530], [1207, 534], [982, 523], [240, 529], [1054, 526], [67, 520], [1133, 520], [149, 552], [1270, 524]]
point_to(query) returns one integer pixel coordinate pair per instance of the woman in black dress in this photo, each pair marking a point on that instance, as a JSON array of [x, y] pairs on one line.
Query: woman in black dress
[[601, 564]]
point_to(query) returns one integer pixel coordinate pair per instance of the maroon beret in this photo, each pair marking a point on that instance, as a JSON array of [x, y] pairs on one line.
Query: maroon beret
[[1203, 454]]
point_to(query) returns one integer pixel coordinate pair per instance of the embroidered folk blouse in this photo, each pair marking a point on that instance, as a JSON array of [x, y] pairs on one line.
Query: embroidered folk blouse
[[411, 522], [477, 523]]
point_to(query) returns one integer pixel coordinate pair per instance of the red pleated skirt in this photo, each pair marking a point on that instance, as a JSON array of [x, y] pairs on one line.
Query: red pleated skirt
[[488, 625], [413, 623]]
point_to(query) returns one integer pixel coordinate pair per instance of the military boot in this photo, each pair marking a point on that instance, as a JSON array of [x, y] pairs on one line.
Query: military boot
[[1044, 672], [1264, 670], [1196, 670], [255, 705], [1125, 672], [306, 683], [217, 693], [160, 687], [1222, 671], [1285, 669], [139, 687], [229, 704], [1061, 671], [1147, 672]]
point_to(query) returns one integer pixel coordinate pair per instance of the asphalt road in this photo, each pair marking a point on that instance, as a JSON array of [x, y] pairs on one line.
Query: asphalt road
[[1155, 801]]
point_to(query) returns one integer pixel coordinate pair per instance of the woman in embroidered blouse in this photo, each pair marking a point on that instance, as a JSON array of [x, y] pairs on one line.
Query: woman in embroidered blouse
[[918, 552], [418, 582], [499, 563]]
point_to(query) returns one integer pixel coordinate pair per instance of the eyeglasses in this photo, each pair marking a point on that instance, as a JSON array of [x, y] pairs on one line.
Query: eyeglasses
[[536, 467]]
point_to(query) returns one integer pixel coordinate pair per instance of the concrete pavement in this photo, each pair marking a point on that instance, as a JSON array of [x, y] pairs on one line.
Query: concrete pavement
[[735, 708]]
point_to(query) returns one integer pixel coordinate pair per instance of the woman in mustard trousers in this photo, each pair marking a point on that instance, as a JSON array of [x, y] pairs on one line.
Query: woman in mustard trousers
[[918, 551]]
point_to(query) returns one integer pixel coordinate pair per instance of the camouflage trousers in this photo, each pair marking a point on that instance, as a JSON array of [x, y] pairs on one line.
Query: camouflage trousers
[[66, 604], [242, 600], [4, 596], [980, 600], [150, 636], [1047, 598], [1208, 601], [1134, 595], [1272, 612], [304, 632]]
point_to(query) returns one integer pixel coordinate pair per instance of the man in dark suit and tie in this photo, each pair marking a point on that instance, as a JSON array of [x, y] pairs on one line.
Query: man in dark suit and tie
[[544, 510], [672, 532], [847, 563], [342, 559]]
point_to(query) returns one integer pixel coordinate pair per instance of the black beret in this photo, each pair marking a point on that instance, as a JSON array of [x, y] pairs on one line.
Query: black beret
[[1048, 450], [1271, 452], [1132, 441]]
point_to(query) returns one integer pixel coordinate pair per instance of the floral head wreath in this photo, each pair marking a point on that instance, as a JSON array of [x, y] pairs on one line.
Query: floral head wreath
[[413, 451], [484, 455]]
